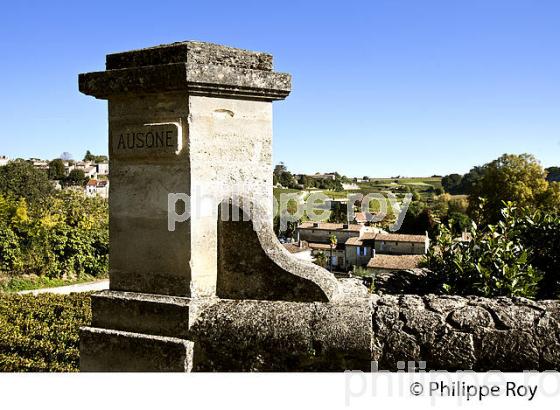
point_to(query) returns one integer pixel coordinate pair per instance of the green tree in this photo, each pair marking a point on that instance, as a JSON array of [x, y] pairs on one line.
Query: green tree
[[516, 178], [89, 156], [76, 177], [452, 183], [21, 180], [553, 174], [470, 181], [56, 169], [321, 260], [333, 241]]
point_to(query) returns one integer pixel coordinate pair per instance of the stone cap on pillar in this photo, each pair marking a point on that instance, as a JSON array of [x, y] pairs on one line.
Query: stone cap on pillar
[[194, 67]]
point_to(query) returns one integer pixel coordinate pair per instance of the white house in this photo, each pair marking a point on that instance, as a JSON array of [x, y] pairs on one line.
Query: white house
[[102, 168], [98, 188]]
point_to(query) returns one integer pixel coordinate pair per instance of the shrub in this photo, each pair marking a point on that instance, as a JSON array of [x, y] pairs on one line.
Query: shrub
[[495, 263], [541, 233], [41, 333], [65, 236]]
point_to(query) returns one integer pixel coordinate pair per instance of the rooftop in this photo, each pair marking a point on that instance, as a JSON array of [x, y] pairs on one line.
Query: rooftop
[[327, 226], [399, 237], [394, 262]]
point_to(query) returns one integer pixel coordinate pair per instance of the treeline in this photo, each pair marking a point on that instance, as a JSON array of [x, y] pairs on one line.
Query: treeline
[[282, 176], [57, 234], [511, 178]]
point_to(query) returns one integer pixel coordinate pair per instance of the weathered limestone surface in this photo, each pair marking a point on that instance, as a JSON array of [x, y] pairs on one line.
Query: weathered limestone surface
[[263, 269], [448, 333], [193, 52], [248, 335], [193, 67], [456, 333], [412, 281]]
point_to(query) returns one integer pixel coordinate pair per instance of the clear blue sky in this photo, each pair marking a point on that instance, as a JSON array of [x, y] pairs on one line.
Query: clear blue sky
[[380, 88]]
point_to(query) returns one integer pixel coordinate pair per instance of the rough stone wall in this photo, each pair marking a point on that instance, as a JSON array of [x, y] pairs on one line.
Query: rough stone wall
[[447, 332], [456, 333]]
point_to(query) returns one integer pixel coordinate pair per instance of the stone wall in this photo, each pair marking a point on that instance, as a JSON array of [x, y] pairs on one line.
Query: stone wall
[[456, 333], [447, 332]]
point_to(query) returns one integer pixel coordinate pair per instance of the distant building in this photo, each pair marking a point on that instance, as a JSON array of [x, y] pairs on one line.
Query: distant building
[[4, 160], [400, 244], [90, 172], [360, 218], [102, 169], [389, 263], [320, 177], [358, 244], [98, 188], [39, 163]]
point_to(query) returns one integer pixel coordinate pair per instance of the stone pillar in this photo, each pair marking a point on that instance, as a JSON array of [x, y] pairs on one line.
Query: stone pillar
[[192, 119]]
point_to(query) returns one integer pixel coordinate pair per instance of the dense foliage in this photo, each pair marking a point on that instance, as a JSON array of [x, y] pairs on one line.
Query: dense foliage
[[65, 235], [517, 178], [518, 256], [553, 174], [40, 333], [20, 179]]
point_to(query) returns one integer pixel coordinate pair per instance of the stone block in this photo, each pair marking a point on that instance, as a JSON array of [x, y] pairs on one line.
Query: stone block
[[141, 313], [103, 350]]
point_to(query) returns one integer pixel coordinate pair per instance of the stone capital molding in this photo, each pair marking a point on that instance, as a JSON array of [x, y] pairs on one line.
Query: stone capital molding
[[193, 67]]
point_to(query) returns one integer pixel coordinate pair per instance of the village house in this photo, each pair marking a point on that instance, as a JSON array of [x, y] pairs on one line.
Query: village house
[[318, 234], [358, 244], [4, 160], [39, 163], [102, 169], [98, 188], [387, 263], [401, 244]]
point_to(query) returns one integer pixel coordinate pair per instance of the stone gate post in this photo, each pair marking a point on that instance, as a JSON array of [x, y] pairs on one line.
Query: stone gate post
[[190, 125]]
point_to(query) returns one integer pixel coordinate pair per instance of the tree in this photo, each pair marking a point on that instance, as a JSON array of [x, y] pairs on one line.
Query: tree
[[553, 174], [452, 183], [287, 180], [512, 178], [333, 242], [470, 181], [418, 220], [21, 180], [56, 169], [76, 177], [66, 156], [89, 156], [338, 185], [321, 260], [279, 169]]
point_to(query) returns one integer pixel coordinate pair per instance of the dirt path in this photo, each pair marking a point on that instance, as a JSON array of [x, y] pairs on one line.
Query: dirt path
[[64, 290]]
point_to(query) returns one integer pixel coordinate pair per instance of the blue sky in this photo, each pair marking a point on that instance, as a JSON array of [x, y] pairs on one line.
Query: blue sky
[[380, 88]]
